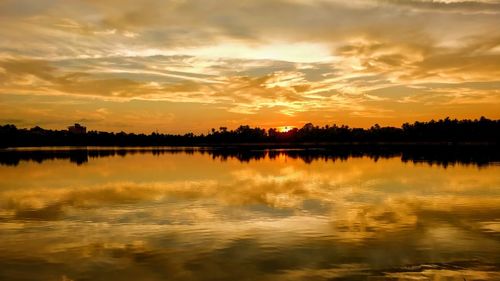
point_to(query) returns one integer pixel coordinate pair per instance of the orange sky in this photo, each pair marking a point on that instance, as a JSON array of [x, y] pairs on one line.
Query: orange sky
[[179, 66]]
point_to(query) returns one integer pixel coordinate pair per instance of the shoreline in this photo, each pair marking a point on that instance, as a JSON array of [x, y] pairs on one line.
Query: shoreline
[[284, 145]]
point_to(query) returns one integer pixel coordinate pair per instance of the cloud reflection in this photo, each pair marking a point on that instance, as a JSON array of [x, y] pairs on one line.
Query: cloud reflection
[[268, 219]]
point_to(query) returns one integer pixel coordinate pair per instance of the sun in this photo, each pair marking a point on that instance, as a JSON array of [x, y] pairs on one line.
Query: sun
[[284, 129]]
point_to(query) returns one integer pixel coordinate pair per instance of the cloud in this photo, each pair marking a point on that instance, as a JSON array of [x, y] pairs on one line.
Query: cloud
[[130, 78], [462, 6], [296, 58]]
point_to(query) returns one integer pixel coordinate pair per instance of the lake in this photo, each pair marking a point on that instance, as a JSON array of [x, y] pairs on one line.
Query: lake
[[202, 214]]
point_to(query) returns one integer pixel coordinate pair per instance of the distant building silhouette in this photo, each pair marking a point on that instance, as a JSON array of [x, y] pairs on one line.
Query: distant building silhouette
[[444, 131], [77, 129]]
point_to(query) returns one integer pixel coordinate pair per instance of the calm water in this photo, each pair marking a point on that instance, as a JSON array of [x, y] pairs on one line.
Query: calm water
[[275, 216]]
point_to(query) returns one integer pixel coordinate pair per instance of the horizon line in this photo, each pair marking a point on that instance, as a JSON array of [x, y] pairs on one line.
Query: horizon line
[[291, 127]]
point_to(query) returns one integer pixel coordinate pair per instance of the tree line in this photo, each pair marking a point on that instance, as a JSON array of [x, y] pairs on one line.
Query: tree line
[[482, 130]]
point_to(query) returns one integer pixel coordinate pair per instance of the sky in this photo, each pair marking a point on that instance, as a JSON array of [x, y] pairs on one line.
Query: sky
[[180, 66]]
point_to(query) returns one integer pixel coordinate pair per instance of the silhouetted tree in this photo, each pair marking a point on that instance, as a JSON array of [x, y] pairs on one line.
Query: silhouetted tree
[[442, 131]]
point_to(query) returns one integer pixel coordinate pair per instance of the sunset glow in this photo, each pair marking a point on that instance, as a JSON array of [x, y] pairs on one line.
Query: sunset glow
[[285, 129], [214, 140], [179, 66]]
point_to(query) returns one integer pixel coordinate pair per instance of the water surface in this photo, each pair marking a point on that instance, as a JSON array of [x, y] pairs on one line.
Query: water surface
[[265, 215]]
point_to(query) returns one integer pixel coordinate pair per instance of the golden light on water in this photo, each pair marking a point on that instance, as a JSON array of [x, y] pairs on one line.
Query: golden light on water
[[194, 216], [205, 214]]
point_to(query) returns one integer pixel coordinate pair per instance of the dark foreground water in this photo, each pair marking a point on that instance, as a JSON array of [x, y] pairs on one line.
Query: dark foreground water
[[263, 215]]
